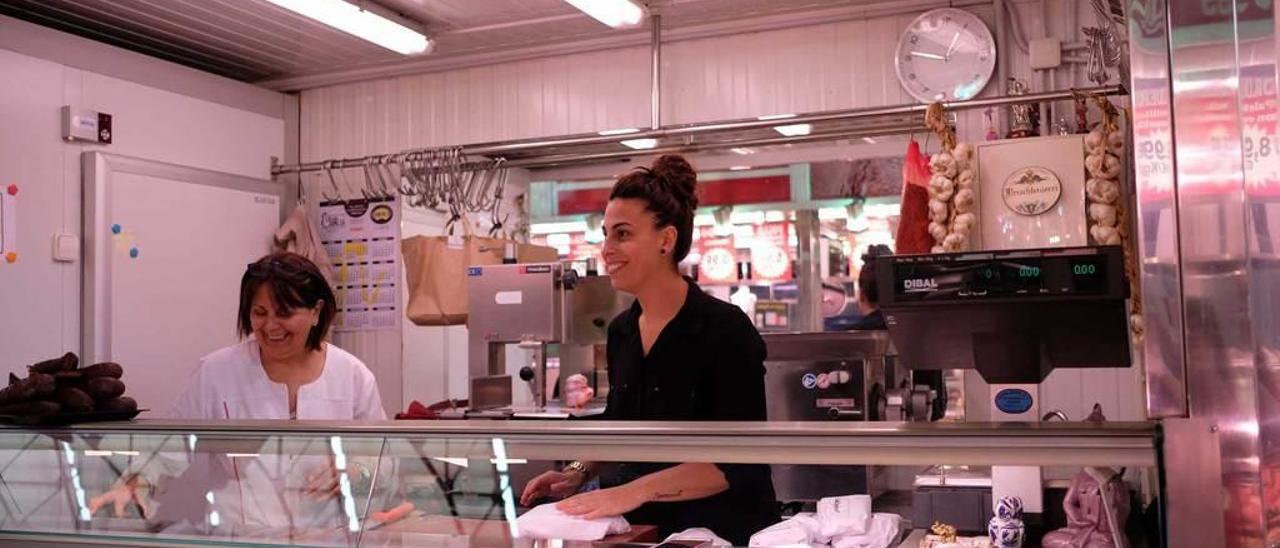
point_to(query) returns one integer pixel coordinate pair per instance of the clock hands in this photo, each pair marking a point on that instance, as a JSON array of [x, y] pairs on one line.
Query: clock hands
[[928, 55], [954, 39]]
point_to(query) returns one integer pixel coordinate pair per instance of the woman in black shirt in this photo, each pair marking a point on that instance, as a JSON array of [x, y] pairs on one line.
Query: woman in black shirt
[[676, 354]]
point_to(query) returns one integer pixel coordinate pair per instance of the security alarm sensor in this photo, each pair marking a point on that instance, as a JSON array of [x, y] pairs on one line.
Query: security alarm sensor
[[86, 126]]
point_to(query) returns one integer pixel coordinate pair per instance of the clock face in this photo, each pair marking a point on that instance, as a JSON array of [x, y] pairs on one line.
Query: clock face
[[946, 54]]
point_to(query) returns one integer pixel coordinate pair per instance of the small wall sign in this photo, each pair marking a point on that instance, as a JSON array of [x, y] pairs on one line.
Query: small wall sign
[[1031, 191]]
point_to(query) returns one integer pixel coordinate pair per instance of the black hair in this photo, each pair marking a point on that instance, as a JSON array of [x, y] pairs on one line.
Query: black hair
[[867, 276], [669, 190], [295, 282]]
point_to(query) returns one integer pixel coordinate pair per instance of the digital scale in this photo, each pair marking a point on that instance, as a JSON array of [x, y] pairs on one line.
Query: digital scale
[[1013, 316]]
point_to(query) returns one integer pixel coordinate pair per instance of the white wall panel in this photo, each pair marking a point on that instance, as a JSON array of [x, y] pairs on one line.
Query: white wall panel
[[553, 96], [838, 65], [40, 298]]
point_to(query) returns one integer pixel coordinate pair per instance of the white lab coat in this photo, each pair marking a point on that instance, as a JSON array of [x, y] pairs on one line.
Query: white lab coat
[[256, 490], [231, 384]]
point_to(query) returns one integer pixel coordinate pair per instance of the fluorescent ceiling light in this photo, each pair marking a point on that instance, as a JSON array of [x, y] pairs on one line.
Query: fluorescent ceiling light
[[776, 117], [615, 13], [794, 130], [868, 140], [640, 144], [623, 131], [742, 150], [540, 229], [349, 18], [739, 168]]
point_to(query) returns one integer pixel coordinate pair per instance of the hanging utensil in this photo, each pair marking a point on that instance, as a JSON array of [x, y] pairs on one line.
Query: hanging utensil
[[337, 197]]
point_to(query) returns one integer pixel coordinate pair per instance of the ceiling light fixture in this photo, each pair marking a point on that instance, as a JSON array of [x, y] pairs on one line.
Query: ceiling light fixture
[[640, 144], [742, 150], [615, 13], [352, 19], [775, 117], [794, 130], [622, 131]]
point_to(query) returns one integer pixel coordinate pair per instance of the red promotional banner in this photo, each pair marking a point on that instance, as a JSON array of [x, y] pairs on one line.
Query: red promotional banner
[[1209, 159], [719, 262], [770, 259], [1153, 139], [1258, 117], [748, 190]]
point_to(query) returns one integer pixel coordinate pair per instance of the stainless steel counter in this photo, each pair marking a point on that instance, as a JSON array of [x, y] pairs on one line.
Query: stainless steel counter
[[1044, 444]]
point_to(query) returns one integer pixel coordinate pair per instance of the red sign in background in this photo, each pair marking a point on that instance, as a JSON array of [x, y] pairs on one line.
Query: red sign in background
[[750, 190], [1153, 139], [1258, 120]]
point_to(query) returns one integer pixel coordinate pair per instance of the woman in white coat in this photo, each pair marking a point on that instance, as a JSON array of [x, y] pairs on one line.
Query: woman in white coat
[[283, 369]]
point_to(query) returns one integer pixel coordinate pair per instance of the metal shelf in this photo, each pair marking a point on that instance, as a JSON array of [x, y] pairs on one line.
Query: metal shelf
[[826, 126]]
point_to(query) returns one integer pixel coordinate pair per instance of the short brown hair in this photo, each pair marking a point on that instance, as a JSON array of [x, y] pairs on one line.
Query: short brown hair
[[295, 282], [669, 189]]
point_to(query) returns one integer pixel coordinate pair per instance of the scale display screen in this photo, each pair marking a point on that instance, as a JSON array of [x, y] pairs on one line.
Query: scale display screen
[[1000, 277]]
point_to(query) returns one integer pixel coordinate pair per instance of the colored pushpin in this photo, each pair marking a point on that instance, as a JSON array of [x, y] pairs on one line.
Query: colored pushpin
[[11, 257], [133, 253], [13, 190], [115, 229]]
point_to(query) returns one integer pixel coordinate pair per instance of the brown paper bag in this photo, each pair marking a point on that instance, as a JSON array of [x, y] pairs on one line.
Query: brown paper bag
[[436, 272]]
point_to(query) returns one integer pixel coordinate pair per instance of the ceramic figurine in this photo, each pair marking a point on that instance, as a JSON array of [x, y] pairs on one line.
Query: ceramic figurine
[[1097, 507], [1006, 529], [1024, 118]]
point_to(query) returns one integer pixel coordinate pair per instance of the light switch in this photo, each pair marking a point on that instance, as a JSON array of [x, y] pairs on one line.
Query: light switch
[[66, 248]]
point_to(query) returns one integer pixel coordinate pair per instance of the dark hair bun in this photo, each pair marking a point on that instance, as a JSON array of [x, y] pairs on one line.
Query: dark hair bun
[[676, 172]]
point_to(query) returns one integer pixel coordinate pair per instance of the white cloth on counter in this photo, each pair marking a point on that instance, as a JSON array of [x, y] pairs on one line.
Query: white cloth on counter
[[548, 522], [700, 534], [801, 529], [840, 516], [841, 522], [882, 532]]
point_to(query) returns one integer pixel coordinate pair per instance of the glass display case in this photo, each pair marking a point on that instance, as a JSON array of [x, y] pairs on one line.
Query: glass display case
[[458, 483]]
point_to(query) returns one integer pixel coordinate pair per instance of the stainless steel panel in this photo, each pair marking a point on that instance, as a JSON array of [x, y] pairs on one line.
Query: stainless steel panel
[[1258, 112], [510, 303], [826, 376], [1210, 198], [827, 346], [1153, 175], [800, 387], [808, 272], [594, 304], [1192, 465], [1046, 444]]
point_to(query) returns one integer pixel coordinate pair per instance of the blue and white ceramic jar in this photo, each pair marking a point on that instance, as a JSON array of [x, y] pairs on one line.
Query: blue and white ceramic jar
[[1006, 529]]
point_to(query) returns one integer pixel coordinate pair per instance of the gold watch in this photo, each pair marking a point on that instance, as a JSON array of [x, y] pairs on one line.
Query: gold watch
[[575, 466]]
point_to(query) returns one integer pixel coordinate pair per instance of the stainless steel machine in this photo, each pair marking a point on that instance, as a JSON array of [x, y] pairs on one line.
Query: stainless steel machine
[[1013, 316], [546, 309], [828, 376]]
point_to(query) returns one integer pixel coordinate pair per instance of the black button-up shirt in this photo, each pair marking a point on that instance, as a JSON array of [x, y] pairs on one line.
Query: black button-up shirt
[[706, 365]]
